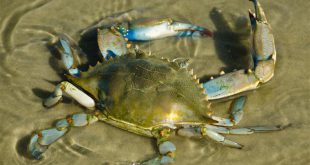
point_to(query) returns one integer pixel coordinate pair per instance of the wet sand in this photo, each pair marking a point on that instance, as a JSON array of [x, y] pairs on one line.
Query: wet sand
[[29, 72]]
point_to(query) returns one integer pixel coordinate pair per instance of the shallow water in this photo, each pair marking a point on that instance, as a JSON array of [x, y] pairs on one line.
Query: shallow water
[[28, 73]]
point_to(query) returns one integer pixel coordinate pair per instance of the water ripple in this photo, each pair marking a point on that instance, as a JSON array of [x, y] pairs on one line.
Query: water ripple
[[12, 20]]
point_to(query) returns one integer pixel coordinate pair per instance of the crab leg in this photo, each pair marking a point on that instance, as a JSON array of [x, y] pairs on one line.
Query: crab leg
[[230, 84], [71, 54], [166, 150], [214, 132], [264, 56], [211, 133], [152, 29], [40, 141], [72, 91], [221, 139], [236, 113], [243, 131]]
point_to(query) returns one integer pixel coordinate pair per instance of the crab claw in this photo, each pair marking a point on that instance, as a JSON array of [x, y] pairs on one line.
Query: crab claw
[[263, 46], [152, 29], [259, 12], [264, 57], [69, 52]]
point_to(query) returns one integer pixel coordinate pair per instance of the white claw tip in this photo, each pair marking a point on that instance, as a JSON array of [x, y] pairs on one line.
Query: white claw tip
[[222, 72], [211, 78]]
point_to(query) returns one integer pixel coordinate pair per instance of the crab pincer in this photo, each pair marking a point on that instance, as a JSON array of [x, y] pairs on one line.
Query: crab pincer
[[264, 57], [151, 29]]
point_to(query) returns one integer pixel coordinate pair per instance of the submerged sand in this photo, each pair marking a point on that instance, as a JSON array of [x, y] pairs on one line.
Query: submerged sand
[[28, 73]]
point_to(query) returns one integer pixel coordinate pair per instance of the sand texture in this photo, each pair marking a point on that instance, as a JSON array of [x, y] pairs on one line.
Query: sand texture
[[29, 72]]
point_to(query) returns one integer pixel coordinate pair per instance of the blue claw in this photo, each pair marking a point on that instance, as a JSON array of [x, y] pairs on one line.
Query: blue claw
[[151, 29], [70, 60], [185, 30]]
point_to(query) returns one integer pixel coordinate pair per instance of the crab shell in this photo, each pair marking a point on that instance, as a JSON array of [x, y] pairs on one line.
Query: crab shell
[[144, 92]]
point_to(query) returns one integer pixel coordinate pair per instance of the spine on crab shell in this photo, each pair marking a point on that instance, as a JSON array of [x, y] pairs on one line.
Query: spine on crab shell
[[197, 81], [194, 76], [201, 88], [191, 71]]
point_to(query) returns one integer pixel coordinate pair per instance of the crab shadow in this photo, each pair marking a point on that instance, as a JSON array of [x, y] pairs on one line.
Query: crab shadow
[[22, 146], [231, 41], [55, 63], [88, 44]]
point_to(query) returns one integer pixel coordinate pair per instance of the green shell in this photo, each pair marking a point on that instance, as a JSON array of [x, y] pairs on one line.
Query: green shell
[[145, 91]]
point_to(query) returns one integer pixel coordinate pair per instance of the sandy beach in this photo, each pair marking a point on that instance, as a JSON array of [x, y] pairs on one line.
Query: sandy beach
[[29, 72]]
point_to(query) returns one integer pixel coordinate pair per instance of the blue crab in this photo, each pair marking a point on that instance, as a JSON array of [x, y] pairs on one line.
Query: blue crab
[[175, 102]]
